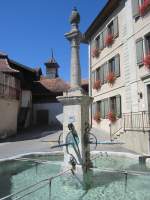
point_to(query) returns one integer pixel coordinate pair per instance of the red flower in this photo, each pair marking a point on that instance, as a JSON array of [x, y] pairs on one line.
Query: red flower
[[95, 52], [143, 8], [146, 61], [112, 117], [97, 117], [109, 39], [111, 78], [97, 85]]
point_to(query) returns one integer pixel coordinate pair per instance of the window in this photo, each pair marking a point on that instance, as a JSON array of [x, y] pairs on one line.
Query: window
[[105, 68], [95, 42], [147, 44], [112, 28], [101, 41], [115, 105], [96, 107], [114, 65], [110, 104], [141, 48], [93, 77], [104, 108], [139, 51], [139, 7], [135, 8], [98, 42], [98, 74], [101, 73]]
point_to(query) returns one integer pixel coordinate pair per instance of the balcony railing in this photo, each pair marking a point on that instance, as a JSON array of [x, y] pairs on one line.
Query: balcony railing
[[138, 121], [133, 121]]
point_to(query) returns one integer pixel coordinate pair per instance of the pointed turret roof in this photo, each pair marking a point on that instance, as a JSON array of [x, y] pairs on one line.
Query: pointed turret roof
[[52, 62]]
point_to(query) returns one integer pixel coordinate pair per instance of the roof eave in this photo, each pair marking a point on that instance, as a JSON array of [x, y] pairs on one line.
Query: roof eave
[[22, 66], [110, 6]]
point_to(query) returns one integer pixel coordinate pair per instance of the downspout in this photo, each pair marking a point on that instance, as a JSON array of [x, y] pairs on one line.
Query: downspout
[[90, 81]]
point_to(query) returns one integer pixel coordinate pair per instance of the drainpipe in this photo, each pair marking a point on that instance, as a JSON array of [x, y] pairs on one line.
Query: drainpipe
[[90, 84]]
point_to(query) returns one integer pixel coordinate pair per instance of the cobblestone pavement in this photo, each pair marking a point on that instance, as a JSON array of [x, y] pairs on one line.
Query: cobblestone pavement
[[41, 140]]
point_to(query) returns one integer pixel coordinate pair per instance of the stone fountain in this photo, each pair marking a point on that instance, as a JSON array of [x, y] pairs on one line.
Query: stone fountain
[[76, 111]]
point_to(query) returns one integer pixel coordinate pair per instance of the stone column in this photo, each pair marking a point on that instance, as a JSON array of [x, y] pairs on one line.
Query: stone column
[[76, 110], [74, 36]]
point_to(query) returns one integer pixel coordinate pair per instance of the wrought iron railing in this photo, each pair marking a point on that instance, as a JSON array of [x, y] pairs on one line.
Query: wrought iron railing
[[115, 128], [133, 121], [139, 121]]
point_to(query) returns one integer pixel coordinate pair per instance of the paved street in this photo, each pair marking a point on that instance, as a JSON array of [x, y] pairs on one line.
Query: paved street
[[36, 140]]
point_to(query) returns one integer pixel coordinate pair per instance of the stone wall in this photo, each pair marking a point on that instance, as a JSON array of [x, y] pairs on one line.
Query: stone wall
[[54, 112], [8, 117], [138, 142]]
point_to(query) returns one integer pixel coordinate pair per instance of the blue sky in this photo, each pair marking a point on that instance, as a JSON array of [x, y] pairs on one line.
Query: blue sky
[[30, 28]]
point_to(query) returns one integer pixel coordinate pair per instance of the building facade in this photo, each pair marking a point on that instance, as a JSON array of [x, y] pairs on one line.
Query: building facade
[[15, 95], [46, 108], [119, 69]]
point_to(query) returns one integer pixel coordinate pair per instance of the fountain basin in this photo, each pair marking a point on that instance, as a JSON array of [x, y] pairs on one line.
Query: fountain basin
[[115, 176]]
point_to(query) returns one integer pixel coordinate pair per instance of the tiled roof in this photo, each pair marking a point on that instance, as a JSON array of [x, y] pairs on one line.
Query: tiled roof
[[4, 64], [54, 85], [84, 82]]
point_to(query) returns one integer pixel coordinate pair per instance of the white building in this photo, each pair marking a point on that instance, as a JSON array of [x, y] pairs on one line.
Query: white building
[[119, 69]]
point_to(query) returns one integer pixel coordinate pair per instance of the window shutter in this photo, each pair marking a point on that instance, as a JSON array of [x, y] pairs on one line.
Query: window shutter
[[106, 107], [117, 65], [139, 51], [118, 105], [98, 106], [116, 29], [93, 78], [135, 8], [105, 32], [94, 44], [106, 71], [102, 74], [102, 109], [101, 41], [93, 108], [98, 74]]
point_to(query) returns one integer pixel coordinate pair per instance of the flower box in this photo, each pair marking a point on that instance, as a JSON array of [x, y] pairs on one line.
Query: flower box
[[95, 52], [112, 117], [97, 85], [97, 117], [144, 7], [109, 40], [111, 78], [146, 61]]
